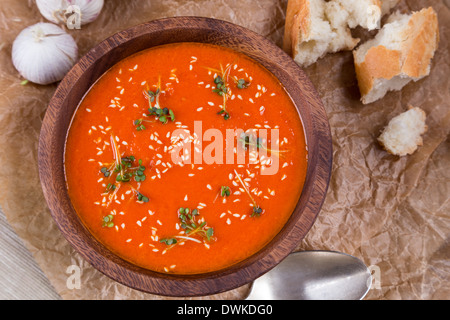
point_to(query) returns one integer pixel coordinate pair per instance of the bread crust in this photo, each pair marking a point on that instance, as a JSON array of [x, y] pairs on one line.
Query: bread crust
[[379, 62], [424, 25], [297, 25]]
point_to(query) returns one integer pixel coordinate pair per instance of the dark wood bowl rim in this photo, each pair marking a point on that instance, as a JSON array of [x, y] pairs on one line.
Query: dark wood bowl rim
[[317, 133]]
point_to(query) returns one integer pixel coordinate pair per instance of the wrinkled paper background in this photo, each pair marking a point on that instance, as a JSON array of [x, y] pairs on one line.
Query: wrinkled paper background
[[391, 212]]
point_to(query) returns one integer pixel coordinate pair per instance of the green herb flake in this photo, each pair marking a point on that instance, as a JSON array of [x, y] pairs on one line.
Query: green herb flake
[[225, 191], [257, 211], [168, 241], [242, 84], [108, 221], [142, 198]]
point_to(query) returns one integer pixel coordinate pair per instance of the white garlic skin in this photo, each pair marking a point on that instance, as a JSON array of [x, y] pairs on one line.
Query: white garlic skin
[[43, 53], [54, 10]]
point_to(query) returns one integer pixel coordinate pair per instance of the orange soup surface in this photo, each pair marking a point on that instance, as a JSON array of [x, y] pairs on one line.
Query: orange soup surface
[[185, 158]]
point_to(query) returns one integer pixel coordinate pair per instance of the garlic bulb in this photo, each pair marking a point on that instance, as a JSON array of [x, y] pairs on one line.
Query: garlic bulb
[[43, 53], [56, 10]]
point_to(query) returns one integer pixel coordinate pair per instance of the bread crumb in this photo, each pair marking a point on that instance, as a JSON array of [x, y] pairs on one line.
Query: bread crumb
[[403, 134]]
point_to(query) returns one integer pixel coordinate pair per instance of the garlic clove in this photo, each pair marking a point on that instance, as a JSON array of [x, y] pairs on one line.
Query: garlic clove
[[43, 53], [56, 10], [90, 9], [52, 10]]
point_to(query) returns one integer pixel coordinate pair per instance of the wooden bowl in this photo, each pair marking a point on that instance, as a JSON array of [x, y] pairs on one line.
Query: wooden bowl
[[171, 30]]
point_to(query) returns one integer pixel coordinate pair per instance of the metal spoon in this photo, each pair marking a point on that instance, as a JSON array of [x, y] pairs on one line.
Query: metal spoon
[[314, 275]]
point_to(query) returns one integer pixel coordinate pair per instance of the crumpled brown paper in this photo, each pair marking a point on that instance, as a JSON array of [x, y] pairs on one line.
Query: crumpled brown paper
[[391, 212]]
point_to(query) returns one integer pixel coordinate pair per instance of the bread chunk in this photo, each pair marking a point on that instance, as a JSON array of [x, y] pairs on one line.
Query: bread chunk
[[404, 132], [317, 27], [401, 52]]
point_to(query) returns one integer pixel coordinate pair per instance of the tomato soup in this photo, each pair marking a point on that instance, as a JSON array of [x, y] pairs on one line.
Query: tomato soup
[[185, 158]]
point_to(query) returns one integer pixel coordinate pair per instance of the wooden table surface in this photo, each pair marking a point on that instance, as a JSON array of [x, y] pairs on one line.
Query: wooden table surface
[[20, 276]]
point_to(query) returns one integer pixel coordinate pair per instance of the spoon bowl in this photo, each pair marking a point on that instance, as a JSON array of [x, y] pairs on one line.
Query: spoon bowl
[[314, 275]]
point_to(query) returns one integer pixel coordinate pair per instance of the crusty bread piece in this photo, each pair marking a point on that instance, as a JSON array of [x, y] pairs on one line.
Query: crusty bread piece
[[404, 132], [308, 33], [401, 52], [316, 27]]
